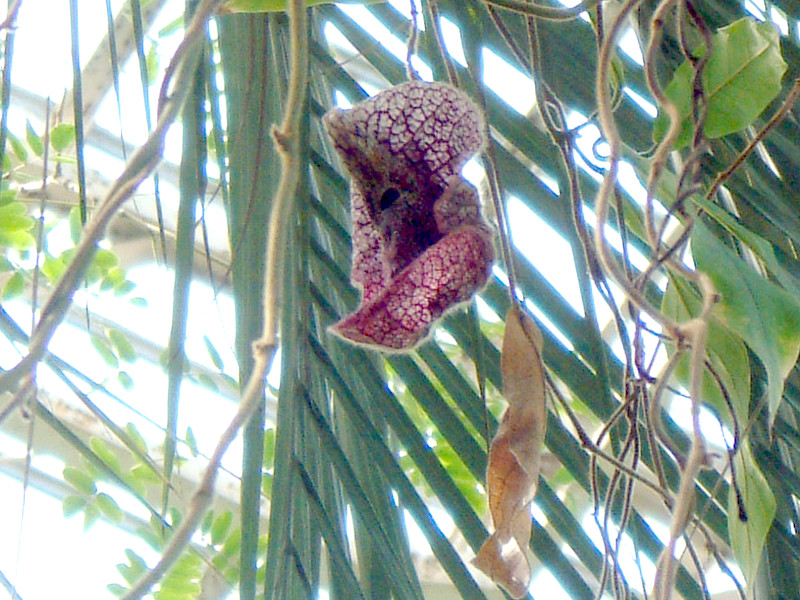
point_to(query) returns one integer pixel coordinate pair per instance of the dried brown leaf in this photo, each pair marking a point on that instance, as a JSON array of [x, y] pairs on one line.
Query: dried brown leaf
[[515, 456]]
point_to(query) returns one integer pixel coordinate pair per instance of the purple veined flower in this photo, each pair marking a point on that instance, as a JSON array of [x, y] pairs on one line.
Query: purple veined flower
[[420, 244]]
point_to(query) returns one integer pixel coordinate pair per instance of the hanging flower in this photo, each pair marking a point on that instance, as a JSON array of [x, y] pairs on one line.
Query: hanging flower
[[420, 245]]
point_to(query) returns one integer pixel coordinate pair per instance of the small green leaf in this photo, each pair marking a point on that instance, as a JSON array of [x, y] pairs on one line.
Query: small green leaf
[[19, 240], [14, 287], [90, 516], [122, 345], [748, 537], [61, 136], [126, 381], [216, 359], [221, 526], [72, 505], [75, 225], [109, 508], [208, 521], [138, 302], [144, 474], [105, 351], [116, 589], [52, 268], [5, 265], [80, 481], [152, 63], [191, 442], [765, 316], [269, 448], [101, 449], [33, 139], [125, 287], [740, 79], [136, 437], [207, 382], [104, 261], [18, 147]]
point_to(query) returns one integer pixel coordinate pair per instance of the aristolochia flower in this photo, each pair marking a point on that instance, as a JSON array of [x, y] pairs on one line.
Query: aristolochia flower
[[420, 245]]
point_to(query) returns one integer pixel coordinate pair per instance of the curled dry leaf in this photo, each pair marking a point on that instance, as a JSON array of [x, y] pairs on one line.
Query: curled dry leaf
[[515, 456]]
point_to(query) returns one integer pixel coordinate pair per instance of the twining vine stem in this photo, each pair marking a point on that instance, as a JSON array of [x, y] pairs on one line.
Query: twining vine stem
[[691, 334]]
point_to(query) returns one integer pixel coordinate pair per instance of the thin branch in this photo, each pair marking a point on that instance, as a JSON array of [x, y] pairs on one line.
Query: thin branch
[[286, 137]]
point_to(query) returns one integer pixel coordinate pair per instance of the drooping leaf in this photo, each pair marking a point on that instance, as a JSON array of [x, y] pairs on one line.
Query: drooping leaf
[[764, 315], [747, 537], [740, 79], [515, 456], [34, 139], [726, 352]]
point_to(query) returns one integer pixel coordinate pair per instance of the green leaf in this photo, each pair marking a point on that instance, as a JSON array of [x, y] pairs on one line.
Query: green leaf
[[104, 261], [101, 449], [13, 217], [191, 442], [152, 62], [90, 516], [75, 225], [18, 147], [105, 351], [747, 537], [33, 139], [52, 268], [136, 437], [740, 79], [216, 359], [72, 505], [144, 474], [115, 589], [14, 287], [726, 352], [269, 448], [122, 345], [19, 240], [765, 316], [61, 136], [126, 381], [80, 481], [109, 508], [220, 527]]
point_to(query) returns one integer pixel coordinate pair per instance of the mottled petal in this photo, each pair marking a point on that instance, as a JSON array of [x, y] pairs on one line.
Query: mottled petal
[[446, 274], [404, 149]]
